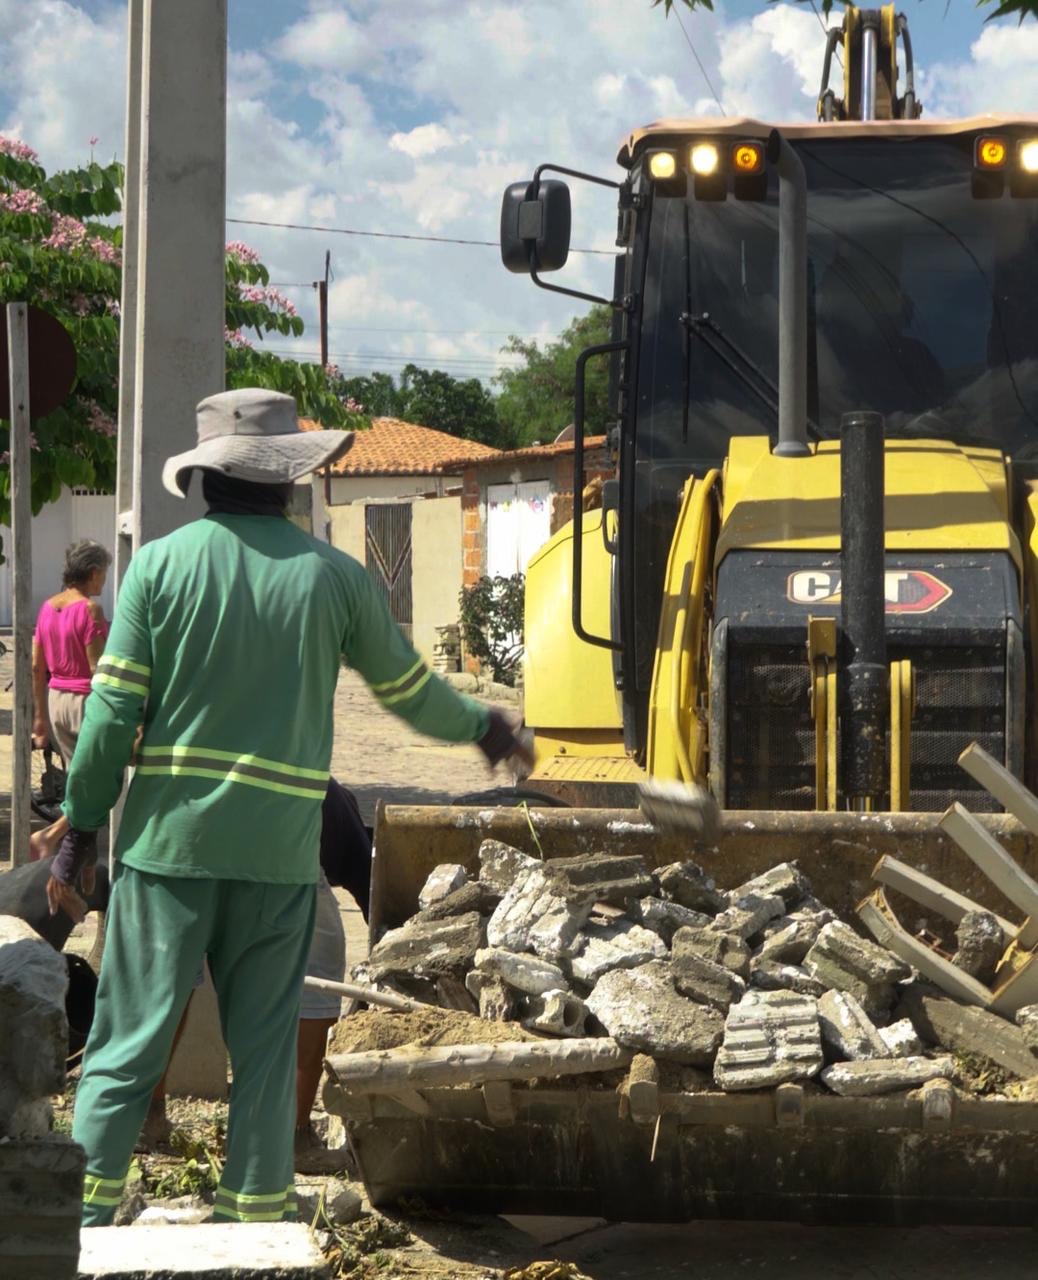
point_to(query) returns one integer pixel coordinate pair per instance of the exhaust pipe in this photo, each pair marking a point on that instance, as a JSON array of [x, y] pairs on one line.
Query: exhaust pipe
[[864, 676], [792, 360]]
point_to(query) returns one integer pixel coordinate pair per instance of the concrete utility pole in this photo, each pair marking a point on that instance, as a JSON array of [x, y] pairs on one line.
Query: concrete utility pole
[[20, 553], [173, 307]]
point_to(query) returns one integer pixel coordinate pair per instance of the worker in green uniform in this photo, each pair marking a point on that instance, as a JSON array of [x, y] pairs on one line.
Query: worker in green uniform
[[226, 646]]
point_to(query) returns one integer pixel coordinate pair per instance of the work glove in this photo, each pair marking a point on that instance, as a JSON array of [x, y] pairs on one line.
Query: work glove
[[501, 741], [76, 858]]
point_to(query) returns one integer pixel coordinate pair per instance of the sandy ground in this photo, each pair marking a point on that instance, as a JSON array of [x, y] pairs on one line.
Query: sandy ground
[[378, 756]]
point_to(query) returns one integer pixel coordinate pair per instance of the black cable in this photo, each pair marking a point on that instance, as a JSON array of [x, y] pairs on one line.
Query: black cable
[[386, 235]]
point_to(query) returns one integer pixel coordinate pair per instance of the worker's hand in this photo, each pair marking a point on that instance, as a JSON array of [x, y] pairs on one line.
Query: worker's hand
[[40, 733], [63, 897], [135, 750], [502, 741]]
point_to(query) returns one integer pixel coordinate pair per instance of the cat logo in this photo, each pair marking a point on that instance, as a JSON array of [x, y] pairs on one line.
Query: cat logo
[[906, 590]]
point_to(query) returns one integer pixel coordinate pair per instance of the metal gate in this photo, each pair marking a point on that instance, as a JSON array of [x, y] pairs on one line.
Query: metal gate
[[387, 542]]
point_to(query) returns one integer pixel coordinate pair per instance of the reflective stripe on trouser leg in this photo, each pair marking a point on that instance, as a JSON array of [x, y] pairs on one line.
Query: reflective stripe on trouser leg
[[257, 961], [156, 934]]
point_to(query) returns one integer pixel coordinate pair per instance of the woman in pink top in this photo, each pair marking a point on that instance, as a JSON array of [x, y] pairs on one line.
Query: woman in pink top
[[70, 637]]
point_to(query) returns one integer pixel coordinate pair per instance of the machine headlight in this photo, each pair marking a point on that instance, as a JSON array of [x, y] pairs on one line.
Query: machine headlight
[[662, 165], [1029, 156], [704, 159]]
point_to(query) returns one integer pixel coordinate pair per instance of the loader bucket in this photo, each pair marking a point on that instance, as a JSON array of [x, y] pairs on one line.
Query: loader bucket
[[792, 1153]]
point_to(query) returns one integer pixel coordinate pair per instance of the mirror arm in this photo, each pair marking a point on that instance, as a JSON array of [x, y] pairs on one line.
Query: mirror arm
[[618, 304]]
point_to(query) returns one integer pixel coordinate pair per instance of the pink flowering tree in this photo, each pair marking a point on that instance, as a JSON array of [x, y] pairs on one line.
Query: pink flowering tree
[[60, 249]]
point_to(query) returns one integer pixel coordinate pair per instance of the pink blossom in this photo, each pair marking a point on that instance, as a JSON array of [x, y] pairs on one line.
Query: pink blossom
[[276, 299], [103, 423], [22, 200], [11, 147], [104, 250], [351, 405], [236, 338], [239, 249], [66, 233], [252, 293], [332, 371], [113, 308], [94, 141]]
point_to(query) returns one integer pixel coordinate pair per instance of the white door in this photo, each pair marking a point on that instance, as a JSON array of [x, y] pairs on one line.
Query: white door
[[534, 518], [518, 524]]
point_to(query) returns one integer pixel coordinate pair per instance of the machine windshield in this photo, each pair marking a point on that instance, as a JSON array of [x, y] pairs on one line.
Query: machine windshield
[[921, 304]]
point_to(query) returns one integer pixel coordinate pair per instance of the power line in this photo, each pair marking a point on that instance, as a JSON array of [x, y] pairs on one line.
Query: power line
[[825, 29], [394, 358], [388, 235], [699, 61], [509, 333]]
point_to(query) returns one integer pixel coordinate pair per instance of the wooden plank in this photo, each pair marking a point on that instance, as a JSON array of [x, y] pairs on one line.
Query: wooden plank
[[412, 1068], [643, 1090], [1002, 870], [21, 538]]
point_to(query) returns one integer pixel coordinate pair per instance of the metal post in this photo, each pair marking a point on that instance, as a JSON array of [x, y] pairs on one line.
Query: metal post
[[21, 549], [864, 677], [322, 301], [792, 388], [869, 42]]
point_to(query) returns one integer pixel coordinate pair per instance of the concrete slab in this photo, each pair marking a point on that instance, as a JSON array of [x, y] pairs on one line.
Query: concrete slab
[[217, 1251]]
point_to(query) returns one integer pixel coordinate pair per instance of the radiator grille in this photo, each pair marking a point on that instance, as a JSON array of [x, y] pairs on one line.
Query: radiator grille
[[960, 698]]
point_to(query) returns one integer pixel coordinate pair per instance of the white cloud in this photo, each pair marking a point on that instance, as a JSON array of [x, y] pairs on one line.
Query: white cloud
[[329, 40], [999, 75], [425, 140], [771, 66]]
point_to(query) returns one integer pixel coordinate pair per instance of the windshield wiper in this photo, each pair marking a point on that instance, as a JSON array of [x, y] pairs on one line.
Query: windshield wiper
[[710, 333]]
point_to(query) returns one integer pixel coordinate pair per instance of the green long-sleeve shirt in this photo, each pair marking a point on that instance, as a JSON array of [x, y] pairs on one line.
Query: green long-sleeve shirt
[[226, 645]]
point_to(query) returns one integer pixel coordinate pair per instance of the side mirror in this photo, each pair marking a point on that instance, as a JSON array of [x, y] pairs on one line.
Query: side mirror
[[535, 226]]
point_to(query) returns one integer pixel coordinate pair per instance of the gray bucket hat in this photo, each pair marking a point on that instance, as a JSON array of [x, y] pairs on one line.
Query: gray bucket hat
[[253, 434]]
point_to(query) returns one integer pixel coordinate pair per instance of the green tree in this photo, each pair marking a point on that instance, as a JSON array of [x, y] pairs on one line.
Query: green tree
[[460, 406], [376, 393], [58, 254], [536, 399]]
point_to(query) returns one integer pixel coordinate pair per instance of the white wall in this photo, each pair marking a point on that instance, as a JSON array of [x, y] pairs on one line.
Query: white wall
[[382, 488]]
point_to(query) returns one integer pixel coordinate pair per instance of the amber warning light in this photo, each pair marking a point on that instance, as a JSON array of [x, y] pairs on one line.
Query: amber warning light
[[748, 157], [990, 153]]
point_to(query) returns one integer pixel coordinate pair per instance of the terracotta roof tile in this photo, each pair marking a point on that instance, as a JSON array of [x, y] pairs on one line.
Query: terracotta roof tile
[[531, 452], [392, 447]]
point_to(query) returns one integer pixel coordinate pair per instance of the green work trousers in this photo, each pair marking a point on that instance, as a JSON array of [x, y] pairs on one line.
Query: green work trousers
[[256, 937]]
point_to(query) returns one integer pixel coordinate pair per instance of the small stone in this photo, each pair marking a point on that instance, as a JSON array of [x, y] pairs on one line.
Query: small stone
[[666, 918], [770, 1037], [748, 915], [557, 1013], [702, 980], [499, 864], [847, 1030], [327, 1198], [726, 949], [608, 877], [789, 939], [538, 914], [442, 881], [860, 957], [1026, 1019], [176, 1212], [622, 945], [885, 1075], [901, 1040], [428, 949], [526, 973], [770, 975], [981, 945], [451, 993], [641, 1010], [688, 885], [785, 879]]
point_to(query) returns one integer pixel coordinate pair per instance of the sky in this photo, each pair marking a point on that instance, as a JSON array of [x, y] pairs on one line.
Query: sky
[[412, 118]]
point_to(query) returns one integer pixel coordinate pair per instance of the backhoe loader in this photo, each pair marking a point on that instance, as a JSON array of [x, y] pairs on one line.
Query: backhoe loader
[[810, 583]]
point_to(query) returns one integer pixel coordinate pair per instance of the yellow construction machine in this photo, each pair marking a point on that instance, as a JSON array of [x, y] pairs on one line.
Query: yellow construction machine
[[811, 583]]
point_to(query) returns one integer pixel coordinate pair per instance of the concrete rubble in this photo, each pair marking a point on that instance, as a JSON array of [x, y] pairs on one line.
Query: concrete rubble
[[752, 987], [330, 1199], [285, 1250], [980, 945], [770, 1037]]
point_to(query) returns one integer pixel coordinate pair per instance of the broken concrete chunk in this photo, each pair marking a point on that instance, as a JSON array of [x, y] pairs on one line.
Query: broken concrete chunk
[[622, 945], [690, 886], [876, 998], [785, 879], [981, 944], [885, 1075], [769, 1037], [641, 1010], [968, 1030], [442, 880], [608, 877], [1027, 1020], [428, 949], [499, 864], [847, 1030], [473, 896], [726, 949], [864, 959], [538, 914], [788, 939], [666, 918], [526, 973], [748, 915], [770, 975], [703, 980], [901, 1040], [557, 1013], [498, 1002]]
